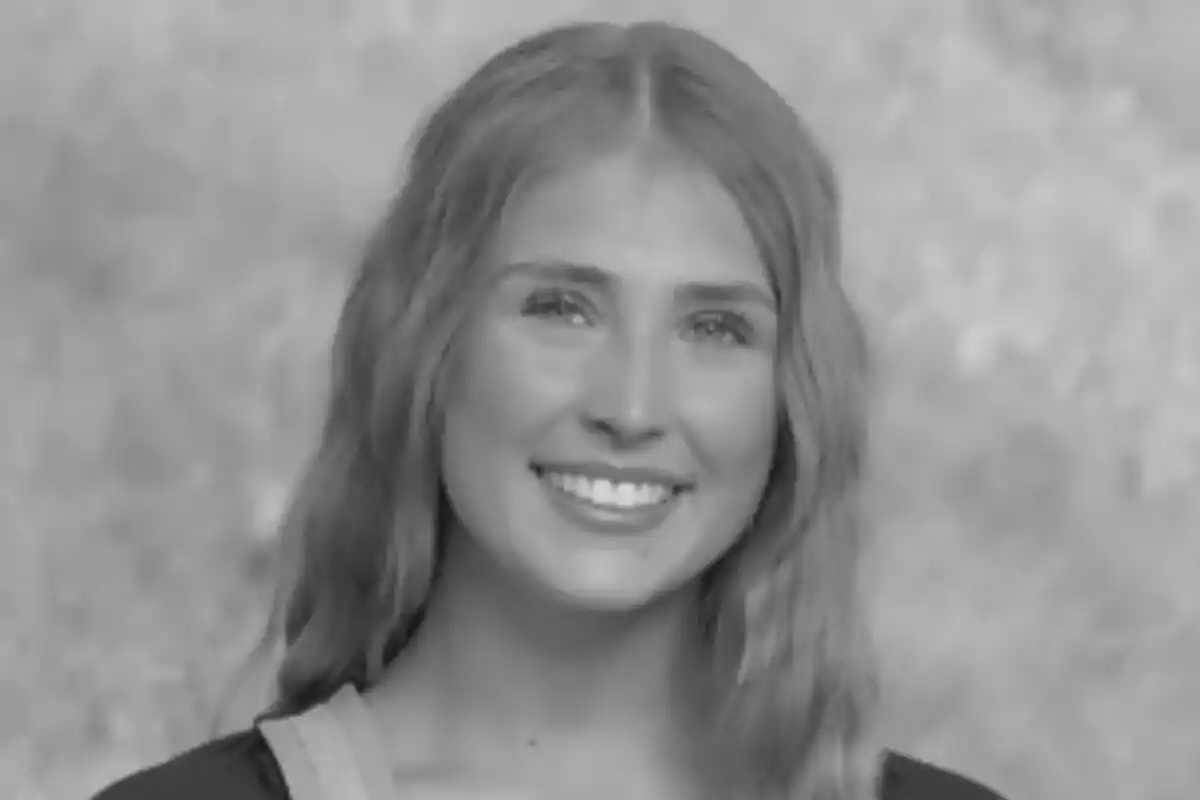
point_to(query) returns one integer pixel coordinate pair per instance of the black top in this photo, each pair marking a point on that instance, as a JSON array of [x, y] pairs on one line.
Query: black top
[[241, 767]]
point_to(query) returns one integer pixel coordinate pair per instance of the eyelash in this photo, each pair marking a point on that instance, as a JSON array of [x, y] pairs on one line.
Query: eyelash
[[562, 305], [557, 304], [730, 324]]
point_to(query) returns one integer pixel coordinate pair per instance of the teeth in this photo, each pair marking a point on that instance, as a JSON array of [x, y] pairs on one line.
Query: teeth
[[607, 493]]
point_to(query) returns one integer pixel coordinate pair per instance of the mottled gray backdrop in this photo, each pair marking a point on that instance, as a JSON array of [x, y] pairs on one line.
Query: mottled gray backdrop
[[184, 185]]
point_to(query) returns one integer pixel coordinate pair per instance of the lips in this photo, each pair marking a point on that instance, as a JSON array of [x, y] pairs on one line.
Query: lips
[[611, 499]]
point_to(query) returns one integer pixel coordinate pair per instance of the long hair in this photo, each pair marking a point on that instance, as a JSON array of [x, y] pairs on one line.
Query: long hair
[[789, 672]]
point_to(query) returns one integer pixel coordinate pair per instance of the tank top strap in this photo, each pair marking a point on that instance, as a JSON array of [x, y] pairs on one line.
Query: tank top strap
[[330, 751]]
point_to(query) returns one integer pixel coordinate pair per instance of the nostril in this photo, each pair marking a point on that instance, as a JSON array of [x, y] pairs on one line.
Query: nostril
[[623, 432]]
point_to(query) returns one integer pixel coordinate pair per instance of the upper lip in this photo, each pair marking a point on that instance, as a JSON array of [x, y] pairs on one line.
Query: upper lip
[[597, 470]]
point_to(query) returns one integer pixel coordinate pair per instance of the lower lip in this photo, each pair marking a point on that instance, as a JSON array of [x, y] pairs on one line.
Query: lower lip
[[608, 519]]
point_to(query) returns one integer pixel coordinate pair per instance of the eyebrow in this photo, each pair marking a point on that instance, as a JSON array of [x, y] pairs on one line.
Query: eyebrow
[[567, 271], [698, 292], [734, 292]]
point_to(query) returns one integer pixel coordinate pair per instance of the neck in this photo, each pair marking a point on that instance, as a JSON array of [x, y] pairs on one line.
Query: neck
[[498, 664]]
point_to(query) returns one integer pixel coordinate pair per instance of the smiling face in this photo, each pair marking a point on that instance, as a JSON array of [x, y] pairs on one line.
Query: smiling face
[[610, 427]]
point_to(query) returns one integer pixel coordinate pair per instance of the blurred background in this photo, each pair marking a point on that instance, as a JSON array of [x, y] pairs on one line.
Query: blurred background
[[185, 186]]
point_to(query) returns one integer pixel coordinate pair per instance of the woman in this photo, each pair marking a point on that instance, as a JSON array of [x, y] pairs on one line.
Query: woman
[[583, 521]]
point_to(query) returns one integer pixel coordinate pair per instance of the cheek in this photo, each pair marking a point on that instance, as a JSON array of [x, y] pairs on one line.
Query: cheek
[[502, 393], [732, 419]]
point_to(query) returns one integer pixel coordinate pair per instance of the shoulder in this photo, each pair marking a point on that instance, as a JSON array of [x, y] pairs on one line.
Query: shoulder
[[239, 766], [907, 778]]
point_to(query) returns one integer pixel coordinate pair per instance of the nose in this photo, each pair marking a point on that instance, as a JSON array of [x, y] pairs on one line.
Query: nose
[[628, 395]]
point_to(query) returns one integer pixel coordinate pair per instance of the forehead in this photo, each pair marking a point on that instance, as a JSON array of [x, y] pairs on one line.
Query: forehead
[[632, 214]]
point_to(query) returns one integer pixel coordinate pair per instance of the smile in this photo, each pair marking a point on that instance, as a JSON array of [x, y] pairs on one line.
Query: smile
[[606, 499], [610, 494]]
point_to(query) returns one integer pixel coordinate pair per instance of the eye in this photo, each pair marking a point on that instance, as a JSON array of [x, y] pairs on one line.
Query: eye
[[558, 305], [724, 329]]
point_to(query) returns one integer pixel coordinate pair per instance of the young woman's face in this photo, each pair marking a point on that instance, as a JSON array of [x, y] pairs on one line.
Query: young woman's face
[[611, 425]]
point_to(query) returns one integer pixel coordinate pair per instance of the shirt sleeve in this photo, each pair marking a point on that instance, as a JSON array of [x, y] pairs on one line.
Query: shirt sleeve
[[906, 778], [239, 766]]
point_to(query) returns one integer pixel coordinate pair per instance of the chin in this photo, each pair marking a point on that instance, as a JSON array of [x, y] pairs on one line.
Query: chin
[[615, 602], [624, 597]]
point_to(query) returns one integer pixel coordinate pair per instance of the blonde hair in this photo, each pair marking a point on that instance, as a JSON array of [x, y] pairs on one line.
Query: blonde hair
[[790, 670]]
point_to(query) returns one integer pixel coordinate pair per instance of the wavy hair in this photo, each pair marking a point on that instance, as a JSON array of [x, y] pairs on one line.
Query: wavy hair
[[790, 673]]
